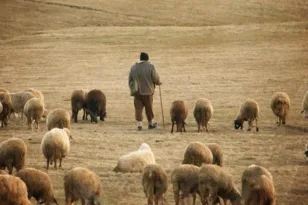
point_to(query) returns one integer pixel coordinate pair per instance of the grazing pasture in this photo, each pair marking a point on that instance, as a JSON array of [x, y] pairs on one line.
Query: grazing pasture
[[226, 52]]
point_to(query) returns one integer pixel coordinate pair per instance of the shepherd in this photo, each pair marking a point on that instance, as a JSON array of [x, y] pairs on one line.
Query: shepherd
[[142, 80]]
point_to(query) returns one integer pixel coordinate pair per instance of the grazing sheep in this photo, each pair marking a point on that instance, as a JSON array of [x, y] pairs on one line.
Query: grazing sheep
[[13, 191], [154, 182], [280, 104], [56, 145], [249, 111], [215, 182], [19, 100], [136, 161], [34, 110], [178, 113], [251, 172], [81, 183], [217, 153], [38, 94], [59, 118], [96, 105], [203, 112], [197, 153], [184, 179], [12, 154], [305, 105], [78, 102], [38, 185], [5, 101]]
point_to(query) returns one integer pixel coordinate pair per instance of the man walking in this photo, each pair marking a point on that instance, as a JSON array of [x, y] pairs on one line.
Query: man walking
[[147, 78]]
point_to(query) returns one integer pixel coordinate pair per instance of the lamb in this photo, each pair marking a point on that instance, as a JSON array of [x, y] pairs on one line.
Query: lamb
[[34, 110], [136, 161], [154, 182], [38, 185], [184, 179], [78, 102], [249, 111], [305, 105], [56, 145], [215, 182], [280, 104], [12, 154], [203, 112], [5, 101], [178, 113], [258, 186], [81, 183], [19, 100], [59, 118], [217, 153], [96, 105], [13, 191], [197, 153]]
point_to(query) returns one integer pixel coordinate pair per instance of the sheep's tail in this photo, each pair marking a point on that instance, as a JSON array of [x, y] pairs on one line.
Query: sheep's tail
[[200, 116]]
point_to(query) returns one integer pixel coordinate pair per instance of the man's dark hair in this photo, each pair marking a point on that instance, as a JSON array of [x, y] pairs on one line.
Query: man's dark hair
[[144, 56]]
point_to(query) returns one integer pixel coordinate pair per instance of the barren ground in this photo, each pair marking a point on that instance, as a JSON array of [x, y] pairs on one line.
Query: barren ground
[[226, 52]]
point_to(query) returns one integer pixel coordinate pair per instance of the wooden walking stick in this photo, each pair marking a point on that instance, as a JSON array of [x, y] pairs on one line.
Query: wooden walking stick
[[161, 105]]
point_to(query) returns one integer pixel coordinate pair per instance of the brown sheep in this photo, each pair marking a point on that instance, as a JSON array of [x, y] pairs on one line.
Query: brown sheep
[[78, 102], [185, 180], [215, 182], [217, 153], [96, 105], [34, 110], [6, 102], [203, 112], [253, 180], [13, 191], [59, 118], [197, 153], [155, 183], [280, 104], [178, 113], [12, 154], [81, 183], [38, 184], [249, 111]]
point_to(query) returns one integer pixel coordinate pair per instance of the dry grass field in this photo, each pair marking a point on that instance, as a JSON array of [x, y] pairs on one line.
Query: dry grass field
[[226, 51]]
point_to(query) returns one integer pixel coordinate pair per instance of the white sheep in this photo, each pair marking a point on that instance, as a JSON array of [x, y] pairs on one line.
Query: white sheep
[[155, 183], [184, 180], [19, 100], [203, 112], [81, 183], [249, 111], [38, 184], [12, 154], [280, 104], [59, 118], [258, 186], [305, 105], [13, 191], [56, 145], [136, 161], [215, 182], [34, 110], [197, 153]]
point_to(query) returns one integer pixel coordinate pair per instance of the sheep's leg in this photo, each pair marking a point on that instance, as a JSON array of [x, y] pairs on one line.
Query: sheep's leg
[[199, 127], [206, 128], [284, 120], [249, 125], [60, 164], [83, 201], [176, 193], [37, 124], [194, 198], [48, 161], [9, 165], [184, 127], [172, 125], [257, 127], [55, 163], [156, 200]]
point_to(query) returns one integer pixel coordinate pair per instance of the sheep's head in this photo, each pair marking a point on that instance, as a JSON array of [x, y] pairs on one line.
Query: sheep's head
[[103, 115], [238, 124], [180, 126]]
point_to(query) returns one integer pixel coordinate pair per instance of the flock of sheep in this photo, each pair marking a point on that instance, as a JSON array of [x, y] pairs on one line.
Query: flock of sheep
[[201, 171]]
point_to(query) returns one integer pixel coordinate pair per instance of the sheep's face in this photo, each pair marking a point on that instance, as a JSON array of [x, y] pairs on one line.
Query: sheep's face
[[238, 124]]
